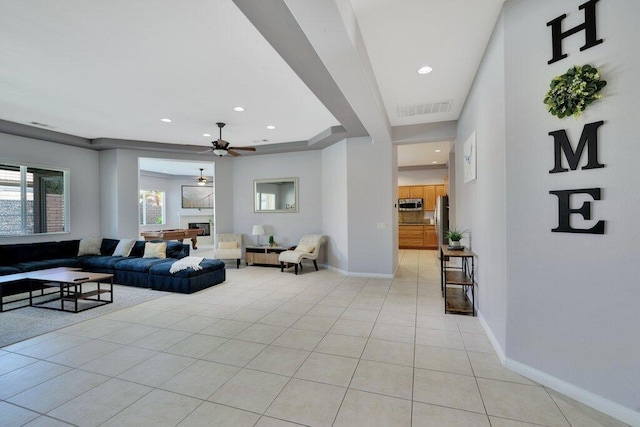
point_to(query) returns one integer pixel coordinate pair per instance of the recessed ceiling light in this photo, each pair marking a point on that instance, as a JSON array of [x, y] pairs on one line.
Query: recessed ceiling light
[[206, 134], [166, 120], [425, 70], [239, 109], [271, 127], [437, 151], [434, 162]]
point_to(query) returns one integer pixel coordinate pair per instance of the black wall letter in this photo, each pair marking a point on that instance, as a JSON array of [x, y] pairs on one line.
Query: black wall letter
[[565, 211], [589, 27], [588, 139]]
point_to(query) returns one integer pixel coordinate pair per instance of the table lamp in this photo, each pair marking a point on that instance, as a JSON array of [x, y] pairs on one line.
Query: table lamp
[[258, 230]]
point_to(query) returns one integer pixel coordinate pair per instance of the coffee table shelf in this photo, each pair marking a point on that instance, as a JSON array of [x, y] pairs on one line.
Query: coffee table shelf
[[70, 284]]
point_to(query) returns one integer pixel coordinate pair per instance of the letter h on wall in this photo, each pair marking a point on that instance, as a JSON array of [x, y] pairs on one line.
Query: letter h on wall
[[589, 27]]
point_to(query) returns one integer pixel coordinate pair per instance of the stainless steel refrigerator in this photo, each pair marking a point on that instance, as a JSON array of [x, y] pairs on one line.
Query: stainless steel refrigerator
[[441, 216]]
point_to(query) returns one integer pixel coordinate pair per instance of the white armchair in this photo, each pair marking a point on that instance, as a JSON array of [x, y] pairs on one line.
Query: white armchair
[[308, 248], [229, 246]]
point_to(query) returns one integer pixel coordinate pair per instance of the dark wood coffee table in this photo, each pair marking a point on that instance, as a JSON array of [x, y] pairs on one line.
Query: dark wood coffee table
[[70, 285]]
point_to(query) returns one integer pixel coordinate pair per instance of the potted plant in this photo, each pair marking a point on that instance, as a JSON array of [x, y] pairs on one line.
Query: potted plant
[[455, 235], [271, 241]]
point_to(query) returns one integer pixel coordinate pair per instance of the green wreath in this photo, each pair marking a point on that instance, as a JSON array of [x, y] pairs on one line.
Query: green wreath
[[571, 92]]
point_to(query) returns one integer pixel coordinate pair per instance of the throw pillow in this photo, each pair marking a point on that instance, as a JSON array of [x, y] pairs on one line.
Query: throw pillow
[[306, 248], [227, 245], [124, 247], [155, 250], [90, 246]]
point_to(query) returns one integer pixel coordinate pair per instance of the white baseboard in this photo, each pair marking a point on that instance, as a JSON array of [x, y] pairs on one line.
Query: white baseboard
[[351, 274], [606, 406], [492, 338]]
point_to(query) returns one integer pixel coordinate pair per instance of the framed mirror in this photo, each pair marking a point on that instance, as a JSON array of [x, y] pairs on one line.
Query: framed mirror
[[275, 195]]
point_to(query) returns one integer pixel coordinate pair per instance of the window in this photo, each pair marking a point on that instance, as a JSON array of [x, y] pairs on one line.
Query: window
[[266, 201], [33, 200], [151, 207]]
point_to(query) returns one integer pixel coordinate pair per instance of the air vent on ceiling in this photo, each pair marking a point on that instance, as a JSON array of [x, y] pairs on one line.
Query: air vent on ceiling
[[429, 108], [42, 125]]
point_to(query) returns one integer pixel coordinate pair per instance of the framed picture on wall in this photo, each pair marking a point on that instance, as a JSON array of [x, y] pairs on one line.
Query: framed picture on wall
[[470, 171], [197, 197]]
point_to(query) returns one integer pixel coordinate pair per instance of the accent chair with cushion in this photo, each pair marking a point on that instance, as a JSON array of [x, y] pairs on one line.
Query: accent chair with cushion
[[308, 248], [229, 247]]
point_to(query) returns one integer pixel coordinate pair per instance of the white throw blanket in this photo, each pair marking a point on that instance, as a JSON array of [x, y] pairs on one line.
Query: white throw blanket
[[184, 263]]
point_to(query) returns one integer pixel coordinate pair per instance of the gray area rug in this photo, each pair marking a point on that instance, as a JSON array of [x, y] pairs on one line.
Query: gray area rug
[[28, 322]]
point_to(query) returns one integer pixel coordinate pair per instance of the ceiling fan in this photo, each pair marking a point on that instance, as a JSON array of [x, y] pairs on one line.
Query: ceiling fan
[[222, 147]]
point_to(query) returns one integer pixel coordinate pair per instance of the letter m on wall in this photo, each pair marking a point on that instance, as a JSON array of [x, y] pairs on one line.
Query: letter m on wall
[[588, 141]]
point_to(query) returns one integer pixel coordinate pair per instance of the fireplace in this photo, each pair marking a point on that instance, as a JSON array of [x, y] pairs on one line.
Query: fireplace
[[204, 225]]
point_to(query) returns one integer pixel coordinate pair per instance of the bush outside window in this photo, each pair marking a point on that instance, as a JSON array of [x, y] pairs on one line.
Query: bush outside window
[[152, 207], [33, 200]]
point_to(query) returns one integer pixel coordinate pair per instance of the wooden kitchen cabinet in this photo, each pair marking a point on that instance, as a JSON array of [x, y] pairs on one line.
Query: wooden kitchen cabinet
[[429, 203], [430, 237], [411, 192], [431, 193], [411, 236]]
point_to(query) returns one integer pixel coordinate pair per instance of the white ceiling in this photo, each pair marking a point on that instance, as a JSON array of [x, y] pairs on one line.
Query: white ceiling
[[114, 68]]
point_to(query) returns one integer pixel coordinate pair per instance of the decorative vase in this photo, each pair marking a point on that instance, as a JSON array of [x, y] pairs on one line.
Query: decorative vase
[[454, 243]]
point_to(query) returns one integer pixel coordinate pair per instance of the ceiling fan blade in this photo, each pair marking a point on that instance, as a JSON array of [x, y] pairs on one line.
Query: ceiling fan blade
[[244, 148], [233, 153], [222, 143]]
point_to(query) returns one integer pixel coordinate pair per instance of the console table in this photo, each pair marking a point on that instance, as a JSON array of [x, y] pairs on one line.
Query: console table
[[263, 255], [456, 280]]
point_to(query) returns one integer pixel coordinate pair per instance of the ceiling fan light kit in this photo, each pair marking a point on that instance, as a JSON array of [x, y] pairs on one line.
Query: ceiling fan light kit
[[222, 147], [202, 180]]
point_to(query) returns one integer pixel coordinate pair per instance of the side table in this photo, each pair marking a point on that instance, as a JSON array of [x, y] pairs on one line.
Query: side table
[[263, 255], [459, 278]]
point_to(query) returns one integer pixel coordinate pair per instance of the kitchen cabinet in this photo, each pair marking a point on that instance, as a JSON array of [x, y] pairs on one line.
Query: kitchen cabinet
[[411, 192], [429, 203], [411, 236], [430, 237], [441, 190]]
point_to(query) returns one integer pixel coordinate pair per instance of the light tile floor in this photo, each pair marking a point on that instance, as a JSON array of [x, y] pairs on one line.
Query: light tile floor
[[273, 349]]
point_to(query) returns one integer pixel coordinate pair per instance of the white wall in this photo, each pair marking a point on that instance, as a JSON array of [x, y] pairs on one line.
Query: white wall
[[371, 187], [480, 204], [574, 296], [119, 191], [172, 186], [286, 228], [571, 299], [83, 166], [422, 177], [334, 205]]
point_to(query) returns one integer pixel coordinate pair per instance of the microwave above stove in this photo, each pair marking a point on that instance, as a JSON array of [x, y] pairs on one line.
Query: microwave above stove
[[409, 204]]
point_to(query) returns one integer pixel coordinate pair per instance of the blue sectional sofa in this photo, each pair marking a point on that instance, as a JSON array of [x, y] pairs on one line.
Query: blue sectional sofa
[[133, 270]]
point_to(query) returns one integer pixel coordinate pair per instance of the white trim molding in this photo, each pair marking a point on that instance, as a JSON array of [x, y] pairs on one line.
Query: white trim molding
[[606, 406]]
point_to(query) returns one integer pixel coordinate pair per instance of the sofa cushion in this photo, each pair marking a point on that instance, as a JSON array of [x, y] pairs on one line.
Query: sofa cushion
[[189, 280], [305, 248], [206, 265], [90, 246], [140, 264], [155, 250], [124, 247], [47, 263], [108, 246], [25, 252], [8, 270], [101, 262], [227, 245], [175, 249]]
